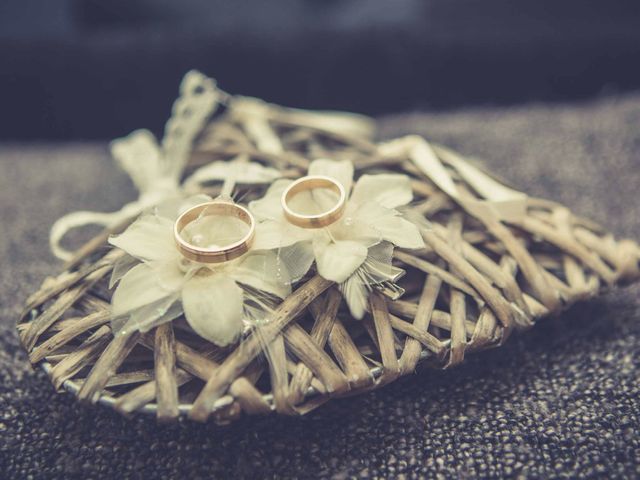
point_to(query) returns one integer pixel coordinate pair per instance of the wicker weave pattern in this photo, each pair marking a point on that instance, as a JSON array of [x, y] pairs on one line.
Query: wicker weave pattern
[[477, 281]]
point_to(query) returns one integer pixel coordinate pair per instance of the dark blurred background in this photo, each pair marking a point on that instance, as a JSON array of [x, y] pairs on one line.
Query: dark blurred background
[[73, 69], [547, 91]]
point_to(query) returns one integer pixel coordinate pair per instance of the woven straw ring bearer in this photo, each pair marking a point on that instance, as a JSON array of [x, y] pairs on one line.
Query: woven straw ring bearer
[[309, 183], [221, 207]]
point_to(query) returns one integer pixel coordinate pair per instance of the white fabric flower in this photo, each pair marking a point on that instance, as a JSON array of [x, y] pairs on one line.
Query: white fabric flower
[[216, 299], [355, 251]]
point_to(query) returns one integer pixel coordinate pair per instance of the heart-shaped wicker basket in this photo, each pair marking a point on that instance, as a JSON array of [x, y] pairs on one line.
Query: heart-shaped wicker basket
[[477, 281]]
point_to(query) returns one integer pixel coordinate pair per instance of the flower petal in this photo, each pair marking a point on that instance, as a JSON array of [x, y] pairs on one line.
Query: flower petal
[[263, 271], [272, 234], [336, 261], [145, 284], [148, 238], [390, 225], [356, 295], [269, 206], [213, 306], [400, 232], [382, 252], [297, 259], [149, 316], [352, 227], [176, 205], [342, 171], [388, 189], [121, 267], [378, 267]]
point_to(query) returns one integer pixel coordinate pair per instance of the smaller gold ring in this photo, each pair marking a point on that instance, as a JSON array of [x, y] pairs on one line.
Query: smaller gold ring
[[214, 255], [320, 220]]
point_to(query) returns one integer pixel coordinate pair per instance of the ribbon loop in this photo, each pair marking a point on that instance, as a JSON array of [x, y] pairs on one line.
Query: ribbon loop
[[499, 201], [154, 169], [73, 220]]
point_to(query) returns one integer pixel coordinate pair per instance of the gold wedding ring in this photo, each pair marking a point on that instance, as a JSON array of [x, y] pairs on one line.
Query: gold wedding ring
[[214, 255], [312, 182]]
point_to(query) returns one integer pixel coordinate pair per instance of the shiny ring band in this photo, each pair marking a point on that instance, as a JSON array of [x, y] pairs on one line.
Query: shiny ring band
[[309, 183], [214, 255]]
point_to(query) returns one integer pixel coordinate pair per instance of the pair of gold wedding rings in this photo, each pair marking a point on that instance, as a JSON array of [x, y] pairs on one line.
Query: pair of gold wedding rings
[[227, 208]]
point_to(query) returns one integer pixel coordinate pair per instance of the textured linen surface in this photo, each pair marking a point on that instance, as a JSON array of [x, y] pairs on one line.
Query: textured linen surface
[[562, 400]]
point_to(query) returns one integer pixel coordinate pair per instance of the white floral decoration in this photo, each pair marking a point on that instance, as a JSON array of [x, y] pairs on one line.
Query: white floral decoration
[[355, 251], [156, 284]]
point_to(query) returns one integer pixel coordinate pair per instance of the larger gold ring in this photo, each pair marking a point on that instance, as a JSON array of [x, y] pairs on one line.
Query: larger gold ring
[[320, 220], [214, 255]]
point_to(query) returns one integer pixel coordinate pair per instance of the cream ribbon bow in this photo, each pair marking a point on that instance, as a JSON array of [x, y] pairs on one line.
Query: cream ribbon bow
[[155, 169], [498, 201]]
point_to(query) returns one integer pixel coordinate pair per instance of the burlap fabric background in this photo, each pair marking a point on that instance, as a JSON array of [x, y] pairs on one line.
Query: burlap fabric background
[[561, 400]]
